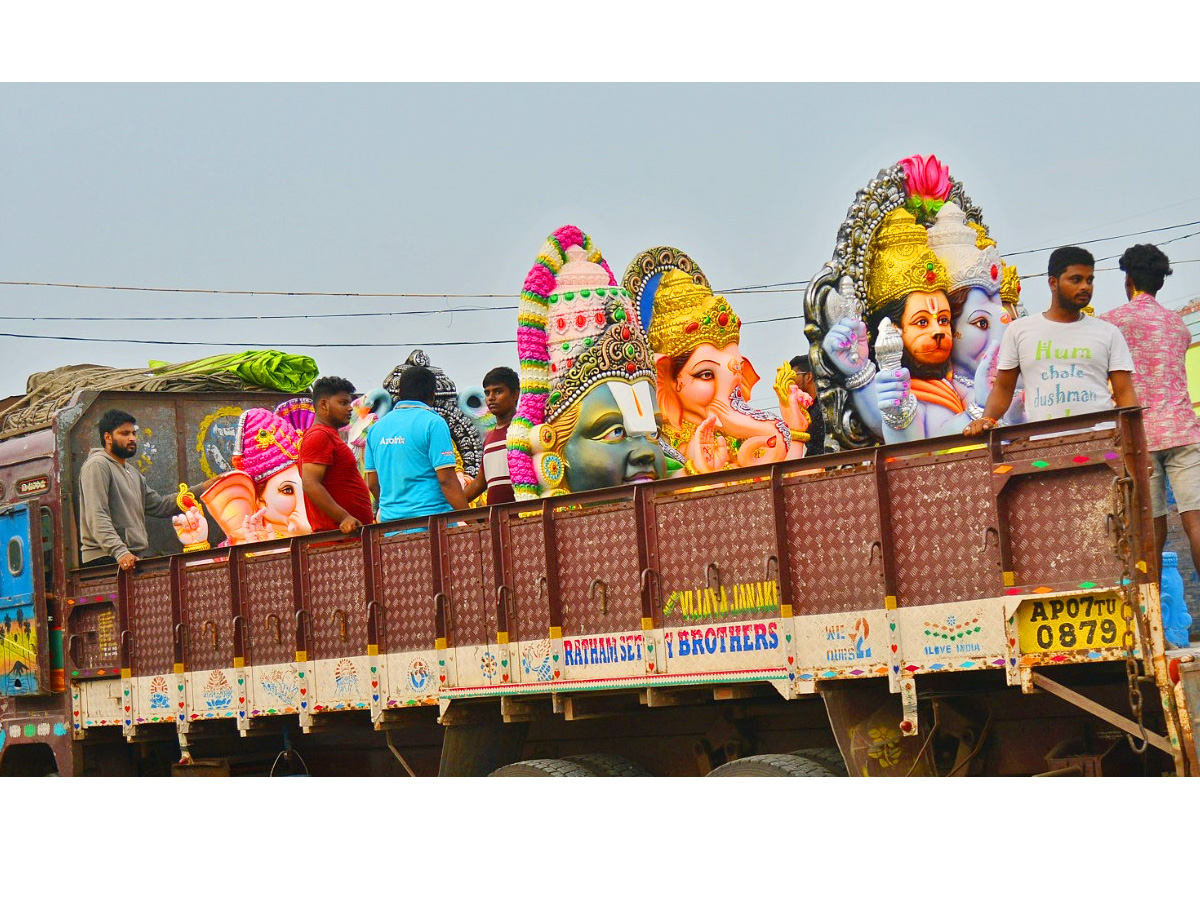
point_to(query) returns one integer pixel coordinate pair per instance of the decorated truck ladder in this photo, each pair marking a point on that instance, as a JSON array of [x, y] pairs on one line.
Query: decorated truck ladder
[[937, 607]]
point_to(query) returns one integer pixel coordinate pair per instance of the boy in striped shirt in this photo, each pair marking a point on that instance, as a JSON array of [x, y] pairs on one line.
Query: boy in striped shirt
[[501, 387]]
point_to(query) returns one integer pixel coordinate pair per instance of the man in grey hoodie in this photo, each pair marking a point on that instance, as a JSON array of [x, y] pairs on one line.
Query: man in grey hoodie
[[115, 498]]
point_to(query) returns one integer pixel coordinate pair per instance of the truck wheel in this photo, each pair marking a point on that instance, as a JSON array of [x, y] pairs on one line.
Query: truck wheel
[[609, 764], [542, 768], [772, 765], [829, 757]]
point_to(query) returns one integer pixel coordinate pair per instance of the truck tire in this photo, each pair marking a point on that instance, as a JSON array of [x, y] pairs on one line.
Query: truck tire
[[610, 765], [542, 768], [829, 757], [772, 765]]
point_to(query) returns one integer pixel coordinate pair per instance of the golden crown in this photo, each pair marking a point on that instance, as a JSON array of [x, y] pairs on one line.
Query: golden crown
[[1010, 284], [687, 315], [900, 262]]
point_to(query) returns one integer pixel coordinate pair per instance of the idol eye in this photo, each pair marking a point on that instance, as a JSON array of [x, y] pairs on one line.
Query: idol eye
[[705, 375], [287, 490], [614, 435], [982, 324], [943, 320]]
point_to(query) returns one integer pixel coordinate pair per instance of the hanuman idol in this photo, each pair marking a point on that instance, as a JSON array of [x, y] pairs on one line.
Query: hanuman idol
[[904, 323]]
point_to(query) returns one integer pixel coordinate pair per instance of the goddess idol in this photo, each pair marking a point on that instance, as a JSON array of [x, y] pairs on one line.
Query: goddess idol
[[703, 381], [586, 417]]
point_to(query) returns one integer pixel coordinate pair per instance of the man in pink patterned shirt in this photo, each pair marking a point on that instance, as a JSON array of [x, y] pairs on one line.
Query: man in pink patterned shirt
[[1159, 340]]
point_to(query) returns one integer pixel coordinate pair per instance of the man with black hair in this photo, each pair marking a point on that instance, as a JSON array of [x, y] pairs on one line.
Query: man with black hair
[[334, 493], [114, 498], [807, 383], [409, 458], [1159, 340], [501, 387], [1068, 358]]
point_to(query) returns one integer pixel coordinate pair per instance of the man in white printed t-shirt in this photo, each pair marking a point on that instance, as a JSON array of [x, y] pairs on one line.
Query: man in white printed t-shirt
[[1067, 358]]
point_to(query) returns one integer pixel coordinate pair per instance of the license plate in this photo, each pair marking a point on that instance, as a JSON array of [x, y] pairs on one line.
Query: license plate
[[1084, 622]]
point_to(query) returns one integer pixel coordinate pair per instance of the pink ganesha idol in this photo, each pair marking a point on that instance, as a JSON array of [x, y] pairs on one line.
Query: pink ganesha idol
[[262, 499]]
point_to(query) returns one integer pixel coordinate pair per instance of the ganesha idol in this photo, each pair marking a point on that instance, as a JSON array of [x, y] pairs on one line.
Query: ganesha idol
[[586, 417], [262, 498], [905, 322], [703, 382]]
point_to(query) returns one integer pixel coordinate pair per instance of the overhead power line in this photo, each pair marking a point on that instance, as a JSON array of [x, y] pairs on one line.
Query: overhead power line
[[770, 288], [1113, 238]]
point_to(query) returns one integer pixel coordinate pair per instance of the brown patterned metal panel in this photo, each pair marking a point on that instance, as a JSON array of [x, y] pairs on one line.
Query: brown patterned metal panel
[[470, 584], [1090, 443], [335, 597], [150, 620], [91, 587], [832, 521], [1057, 524], [532, 604], [940, 513], [732, 527], [600, 542], [98, 631], [405, 592], [269, 608], [208, 612]]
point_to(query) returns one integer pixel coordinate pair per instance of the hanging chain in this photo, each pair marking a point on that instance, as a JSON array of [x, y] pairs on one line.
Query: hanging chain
[[1122, 504]]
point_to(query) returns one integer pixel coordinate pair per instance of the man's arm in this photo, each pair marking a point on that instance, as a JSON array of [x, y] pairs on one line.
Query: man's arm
[[373, 486], [315, 490], [451, 487], [1122, 389], [477, 486], [998, 401], [94, 483]]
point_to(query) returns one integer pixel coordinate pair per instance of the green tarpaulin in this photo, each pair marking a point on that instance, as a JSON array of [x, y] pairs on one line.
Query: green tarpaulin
[[286, 372]]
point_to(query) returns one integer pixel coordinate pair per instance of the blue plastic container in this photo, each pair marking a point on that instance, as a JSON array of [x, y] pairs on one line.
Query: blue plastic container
[[1176, 619]]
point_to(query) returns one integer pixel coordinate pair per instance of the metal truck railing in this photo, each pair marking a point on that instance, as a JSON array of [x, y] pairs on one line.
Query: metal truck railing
[[1028, 549]]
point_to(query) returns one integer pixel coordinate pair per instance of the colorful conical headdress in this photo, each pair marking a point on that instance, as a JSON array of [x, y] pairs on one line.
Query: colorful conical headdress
[[957, 245], [575, 329], [899, 262], [265, 444]]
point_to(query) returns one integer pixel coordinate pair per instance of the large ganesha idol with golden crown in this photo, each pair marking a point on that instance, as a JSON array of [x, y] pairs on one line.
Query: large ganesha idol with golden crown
[[703, 380], [586, 417], [904, 324]]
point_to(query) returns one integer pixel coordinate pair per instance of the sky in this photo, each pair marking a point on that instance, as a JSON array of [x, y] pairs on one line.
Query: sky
[[450, 189]]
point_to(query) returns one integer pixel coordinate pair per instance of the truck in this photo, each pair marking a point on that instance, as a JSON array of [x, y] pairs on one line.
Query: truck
[[947, 607]]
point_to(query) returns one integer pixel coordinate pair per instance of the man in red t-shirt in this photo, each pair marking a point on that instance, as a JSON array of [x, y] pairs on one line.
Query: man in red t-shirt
[[334, 492], [501, 387]]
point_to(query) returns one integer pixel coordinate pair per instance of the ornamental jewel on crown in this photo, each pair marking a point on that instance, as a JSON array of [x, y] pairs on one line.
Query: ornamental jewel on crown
[[1010, 284], [900, 262], [592, 334], [687, 315]]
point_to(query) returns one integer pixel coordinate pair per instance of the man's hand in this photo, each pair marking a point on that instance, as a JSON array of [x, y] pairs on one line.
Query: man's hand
[[979, 426], [349, 524], [127, 562]]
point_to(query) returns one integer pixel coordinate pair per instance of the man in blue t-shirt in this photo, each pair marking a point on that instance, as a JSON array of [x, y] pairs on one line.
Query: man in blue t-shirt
[[409, 459]]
